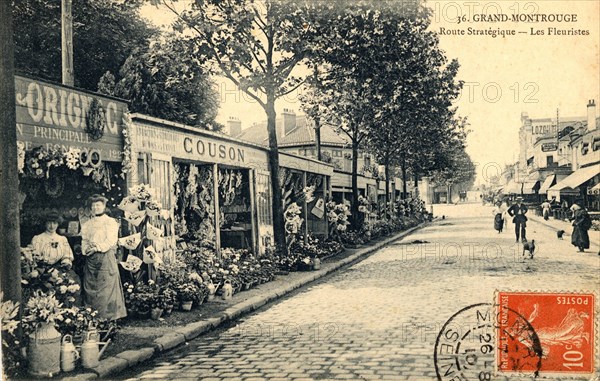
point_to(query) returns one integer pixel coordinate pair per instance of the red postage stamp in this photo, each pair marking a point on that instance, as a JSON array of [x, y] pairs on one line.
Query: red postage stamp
[[545, 333]]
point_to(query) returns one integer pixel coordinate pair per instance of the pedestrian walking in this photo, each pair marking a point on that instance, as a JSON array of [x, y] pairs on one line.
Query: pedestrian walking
[[546, 209], [581, 224], [517, 211], [498, 217]]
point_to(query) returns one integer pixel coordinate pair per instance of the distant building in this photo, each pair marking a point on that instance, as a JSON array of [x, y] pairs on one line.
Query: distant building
[[296, 134], [558, 157]]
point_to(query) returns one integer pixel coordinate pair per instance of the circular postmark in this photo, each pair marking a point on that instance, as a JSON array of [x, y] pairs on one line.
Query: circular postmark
[[467, 348]]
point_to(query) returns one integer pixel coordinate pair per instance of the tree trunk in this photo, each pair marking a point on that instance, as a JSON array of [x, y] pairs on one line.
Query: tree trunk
[[388, 205], [277, 202], [318, 138], [449, 195], [355, 218], [416, 185], [10, 253], [404, 190]]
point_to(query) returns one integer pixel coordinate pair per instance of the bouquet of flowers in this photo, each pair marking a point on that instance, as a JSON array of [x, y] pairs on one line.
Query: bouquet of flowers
[[363, 204], [337, 214], [293, 222], [42, 308], [72, 158], [51, 279], [142, 192]]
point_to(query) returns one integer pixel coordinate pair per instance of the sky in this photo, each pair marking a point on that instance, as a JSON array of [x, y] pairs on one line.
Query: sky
[[504, 76]]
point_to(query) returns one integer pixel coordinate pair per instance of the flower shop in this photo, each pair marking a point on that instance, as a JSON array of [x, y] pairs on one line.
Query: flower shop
[[70, 147], [218, 227]]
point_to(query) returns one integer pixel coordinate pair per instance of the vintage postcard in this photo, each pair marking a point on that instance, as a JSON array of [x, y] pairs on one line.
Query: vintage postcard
[[276, 190]]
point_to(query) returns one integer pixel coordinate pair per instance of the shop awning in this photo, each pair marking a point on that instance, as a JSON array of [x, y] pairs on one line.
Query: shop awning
[[512, 187], [577, 178], [529, 186], [547, 184]]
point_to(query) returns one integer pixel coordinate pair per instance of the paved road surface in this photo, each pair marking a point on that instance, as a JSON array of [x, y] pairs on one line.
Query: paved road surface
[[379, 319]]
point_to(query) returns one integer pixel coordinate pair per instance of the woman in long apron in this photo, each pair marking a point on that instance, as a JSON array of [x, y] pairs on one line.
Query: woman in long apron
[[101, 281]]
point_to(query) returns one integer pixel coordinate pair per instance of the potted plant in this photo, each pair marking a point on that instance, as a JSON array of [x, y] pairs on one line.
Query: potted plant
[[186, 293], [170, 298]]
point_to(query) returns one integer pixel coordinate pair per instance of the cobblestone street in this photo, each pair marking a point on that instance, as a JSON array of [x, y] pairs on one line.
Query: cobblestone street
[[379, 318]]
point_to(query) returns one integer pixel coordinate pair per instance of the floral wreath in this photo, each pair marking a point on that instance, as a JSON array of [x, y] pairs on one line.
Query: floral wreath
[[95, 120]]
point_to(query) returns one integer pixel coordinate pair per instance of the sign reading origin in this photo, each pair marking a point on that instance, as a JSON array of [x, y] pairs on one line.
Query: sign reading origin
[[55, 116]]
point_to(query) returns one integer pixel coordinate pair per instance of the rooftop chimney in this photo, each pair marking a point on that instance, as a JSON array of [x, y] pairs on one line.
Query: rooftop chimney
[[234, 125], [591, 115], [289, 120]]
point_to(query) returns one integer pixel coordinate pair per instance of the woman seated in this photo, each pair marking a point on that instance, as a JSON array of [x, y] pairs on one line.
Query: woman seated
[[51, 247]]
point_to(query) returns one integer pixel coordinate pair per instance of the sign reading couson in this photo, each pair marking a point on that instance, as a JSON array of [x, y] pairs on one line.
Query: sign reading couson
[[185, 143], [213, 149]]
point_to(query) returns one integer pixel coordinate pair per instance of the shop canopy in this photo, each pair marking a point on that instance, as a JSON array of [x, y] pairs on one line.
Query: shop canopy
[[577, 178], [547, 184], [530, 186], [569, 185], [512, 187]]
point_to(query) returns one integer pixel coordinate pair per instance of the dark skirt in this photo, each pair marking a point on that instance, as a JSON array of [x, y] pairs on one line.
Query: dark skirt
[[580, 238], [102, 285], [498, 222]]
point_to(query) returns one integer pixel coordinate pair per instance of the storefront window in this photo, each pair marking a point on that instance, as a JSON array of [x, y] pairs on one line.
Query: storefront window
[[236, 214], [263, 205]]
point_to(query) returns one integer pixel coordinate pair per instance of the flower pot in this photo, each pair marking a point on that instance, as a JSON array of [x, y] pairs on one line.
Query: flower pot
[[142, 314], [186, 305], [156, 313], [168, 311], [43, 353]]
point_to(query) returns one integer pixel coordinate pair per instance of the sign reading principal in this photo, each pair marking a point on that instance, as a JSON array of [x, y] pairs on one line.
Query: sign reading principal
[[55, 116]]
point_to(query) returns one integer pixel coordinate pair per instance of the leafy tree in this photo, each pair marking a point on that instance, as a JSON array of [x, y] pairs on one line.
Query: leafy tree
[[407, 133], [460, 171], [256, 45], [357, 46], [105, 32], [166, 81]]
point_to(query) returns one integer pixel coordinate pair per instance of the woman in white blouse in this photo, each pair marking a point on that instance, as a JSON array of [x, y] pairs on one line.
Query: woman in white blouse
[[51, 247], [101, 281]]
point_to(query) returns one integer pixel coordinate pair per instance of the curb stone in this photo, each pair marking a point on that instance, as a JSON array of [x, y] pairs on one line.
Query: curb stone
[[121, 361]]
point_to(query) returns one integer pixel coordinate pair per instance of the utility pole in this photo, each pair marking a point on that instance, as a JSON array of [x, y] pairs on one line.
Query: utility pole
[[10, 245], [68, 77]]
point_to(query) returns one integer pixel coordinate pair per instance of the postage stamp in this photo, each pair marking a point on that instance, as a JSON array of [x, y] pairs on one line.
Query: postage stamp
[[545, 333]]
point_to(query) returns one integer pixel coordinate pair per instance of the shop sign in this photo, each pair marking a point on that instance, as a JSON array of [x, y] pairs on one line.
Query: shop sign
[[548, 147], [196, 147], [55, 116]]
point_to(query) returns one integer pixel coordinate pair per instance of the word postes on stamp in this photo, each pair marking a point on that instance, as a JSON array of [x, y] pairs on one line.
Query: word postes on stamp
[[545, 332]]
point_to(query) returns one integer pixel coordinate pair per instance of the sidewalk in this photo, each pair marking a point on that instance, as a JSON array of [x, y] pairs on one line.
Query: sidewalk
[[566, 226], [241, 304]]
